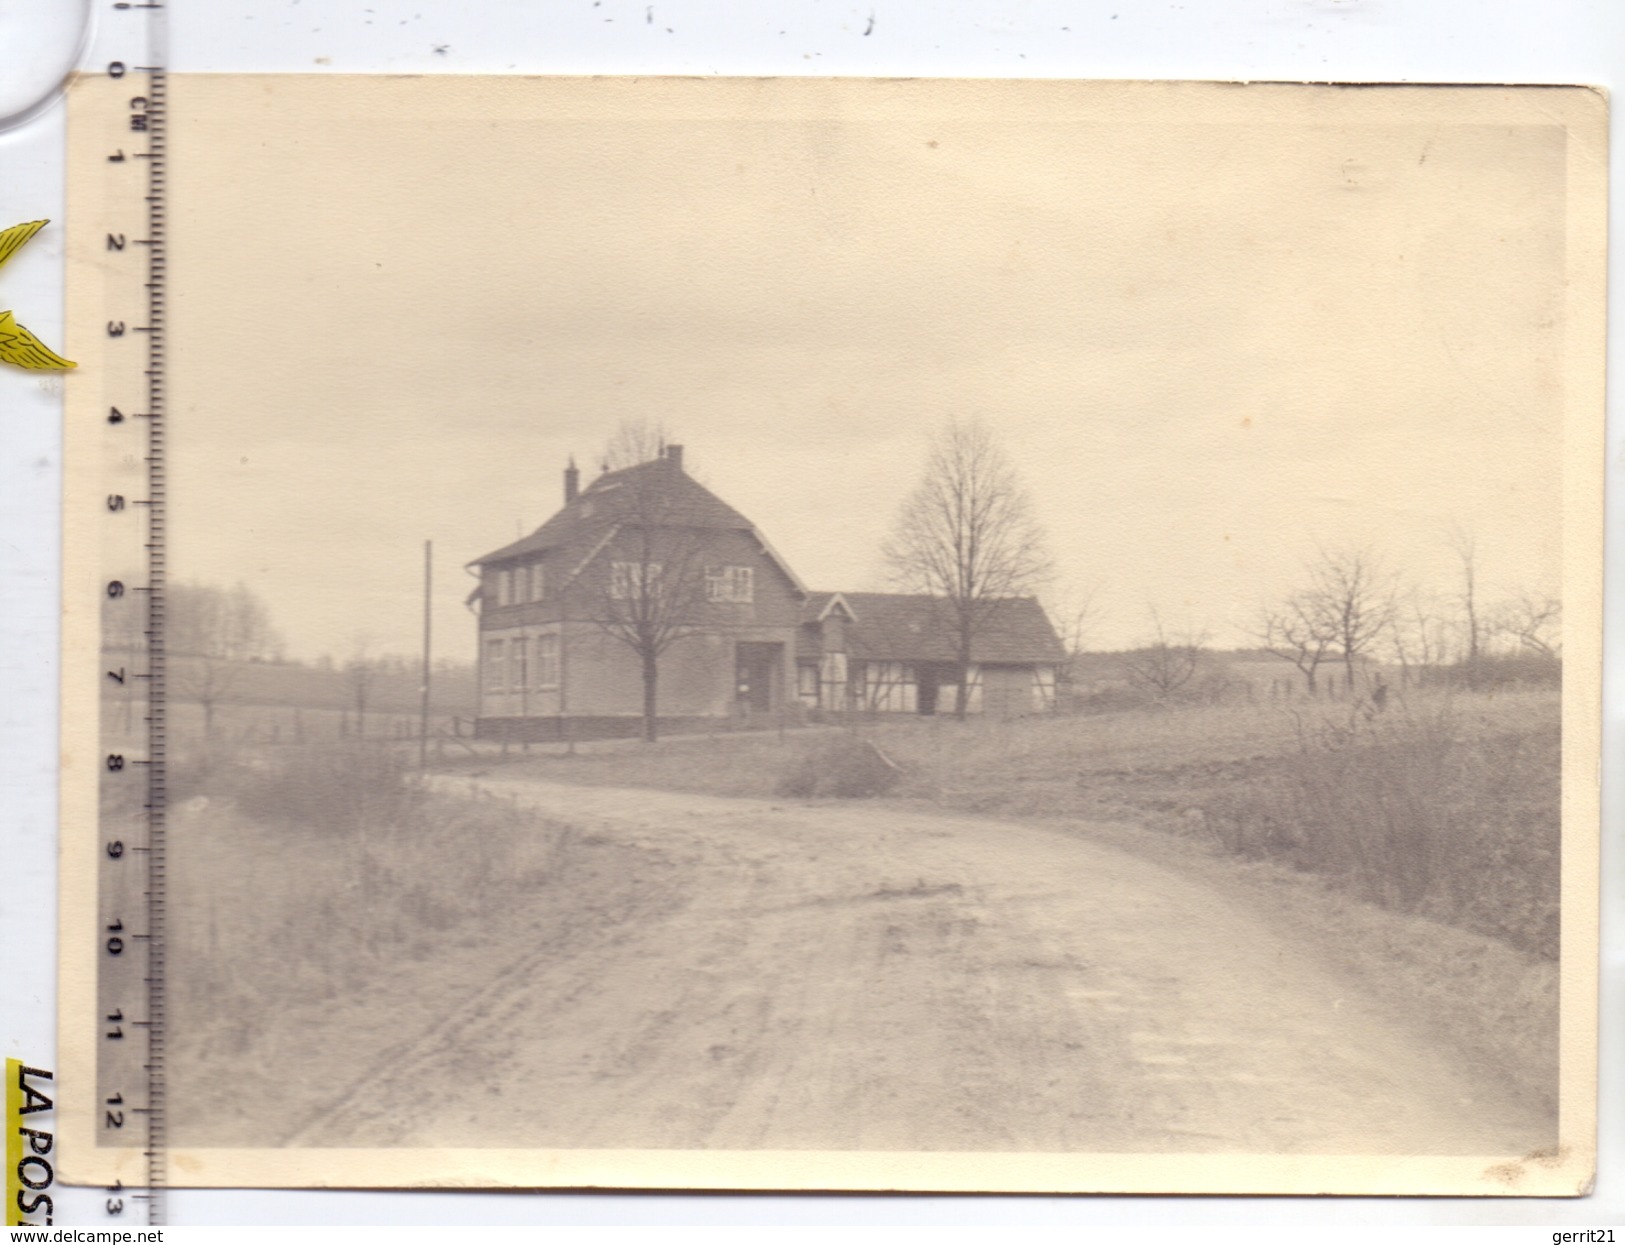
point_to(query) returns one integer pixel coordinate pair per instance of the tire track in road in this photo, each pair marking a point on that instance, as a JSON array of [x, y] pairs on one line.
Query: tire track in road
[[491, 1002]]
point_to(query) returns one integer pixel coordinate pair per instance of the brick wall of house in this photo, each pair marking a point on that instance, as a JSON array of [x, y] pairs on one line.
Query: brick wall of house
[[599, 675]]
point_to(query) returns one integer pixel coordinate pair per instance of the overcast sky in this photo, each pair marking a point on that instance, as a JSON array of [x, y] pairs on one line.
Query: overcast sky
[[1209, 330]]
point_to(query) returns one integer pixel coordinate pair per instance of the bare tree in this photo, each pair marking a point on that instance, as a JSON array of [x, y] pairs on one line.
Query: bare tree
[[1164, 665], [1296, 632], [1465, 546], [635, 441], [214, 630], [231, 623], [1346, 609], [1532, 623], [966, 536], [1355, 599], [1081, 613], [648, 585], [1418, 633]]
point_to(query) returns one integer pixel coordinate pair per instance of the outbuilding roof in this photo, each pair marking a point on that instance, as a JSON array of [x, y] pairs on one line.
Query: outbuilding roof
[[889, 626]]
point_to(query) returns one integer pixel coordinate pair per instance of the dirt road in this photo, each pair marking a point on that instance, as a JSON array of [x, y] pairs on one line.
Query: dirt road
[[795, 976]]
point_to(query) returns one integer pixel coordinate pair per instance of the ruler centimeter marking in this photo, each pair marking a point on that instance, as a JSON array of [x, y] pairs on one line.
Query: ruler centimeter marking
[[157, 1141], [143, 112], [118, 176]]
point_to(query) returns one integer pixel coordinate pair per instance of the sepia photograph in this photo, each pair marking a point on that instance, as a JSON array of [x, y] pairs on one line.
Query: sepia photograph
[[856, 634]]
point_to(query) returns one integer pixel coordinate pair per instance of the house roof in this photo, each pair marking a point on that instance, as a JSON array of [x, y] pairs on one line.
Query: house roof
[[658, 492], [820, 605], [888, 626], [659, 489]]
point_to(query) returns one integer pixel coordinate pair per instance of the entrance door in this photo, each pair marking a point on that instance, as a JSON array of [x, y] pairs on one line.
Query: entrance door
[[926, 695], [756, 668]]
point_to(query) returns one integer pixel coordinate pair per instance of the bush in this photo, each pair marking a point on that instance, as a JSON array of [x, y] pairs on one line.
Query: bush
[[1421, 816], [1496, 672], [336, 788], [289, 892], [842, 766]]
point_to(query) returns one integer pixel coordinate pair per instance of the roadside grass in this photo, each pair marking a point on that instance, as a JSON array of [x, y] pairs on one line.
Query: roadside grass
[[305, 876], [1417, 814], [746, 765], [341, 859]]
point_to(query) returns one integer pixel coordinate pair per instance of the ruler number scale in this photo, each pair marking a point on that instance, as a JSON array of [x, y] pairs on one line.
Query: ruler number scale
[[138, 192], [157, 686]]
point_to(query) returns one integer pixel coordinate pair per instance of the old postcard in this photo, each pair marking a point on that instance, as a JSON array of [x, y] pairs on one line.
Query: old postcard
[[834, 634]]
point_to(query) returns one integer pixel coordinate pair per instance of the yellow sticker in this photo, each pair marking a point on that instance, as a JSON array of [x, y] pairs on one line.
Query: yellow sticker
[[17, 345]]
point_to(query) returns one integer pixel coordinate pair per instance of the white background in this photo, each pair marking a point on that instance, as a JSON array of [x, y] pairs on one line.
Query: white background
[[1560, 41]]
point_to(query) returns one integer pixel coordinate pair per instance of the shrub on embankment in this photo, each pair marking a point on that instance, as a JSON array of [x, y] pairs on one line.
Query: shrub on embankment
[[1419, 814], [842, 766], [327, 906], [320, 863]]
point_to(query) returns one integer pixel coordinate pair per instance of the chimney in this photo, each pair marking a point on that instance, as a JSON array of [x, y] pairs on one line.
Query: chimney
[[674, 456], [572, 482]]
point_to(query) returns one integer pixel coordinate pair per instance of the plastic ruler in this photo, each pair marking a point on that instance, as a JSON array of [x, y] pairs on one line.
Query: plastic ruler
[[119, 153]]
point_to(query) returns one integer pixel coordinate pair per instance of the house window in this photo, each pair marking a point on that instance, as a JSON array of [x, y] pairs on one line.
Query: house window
[[728, 583], [630, 581], [504, 586], [546, 665], [538, 582], [517, 655], [496, 676]]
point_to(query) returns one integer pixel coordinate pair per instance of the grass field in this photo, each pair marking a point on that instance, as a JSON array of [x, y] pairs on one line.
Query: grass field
[[283, 703]]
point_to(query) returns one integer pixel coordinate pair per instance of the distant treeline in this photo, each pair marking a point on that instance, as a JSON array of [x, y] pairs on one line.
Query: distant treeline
[[1138, 678], [391, 687]]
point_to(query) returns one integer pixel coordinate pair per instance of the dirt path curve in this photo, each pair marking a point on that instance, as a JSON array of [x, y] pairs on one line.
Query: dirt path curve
[[795, 977]]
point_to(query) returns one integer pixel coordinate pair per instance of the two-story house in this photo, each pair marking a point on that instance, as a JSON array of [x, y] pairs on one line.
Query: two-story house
[[649, 596], [642, 559]]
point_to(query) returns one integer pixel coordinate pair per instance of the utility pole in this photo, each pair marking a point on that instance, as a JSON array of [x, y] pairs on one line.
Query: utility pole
[[423, 723]]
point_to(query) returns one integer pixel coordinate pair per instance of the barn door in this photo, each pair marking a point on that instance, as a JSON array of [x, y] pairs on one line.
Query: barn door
[[756, 668]]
